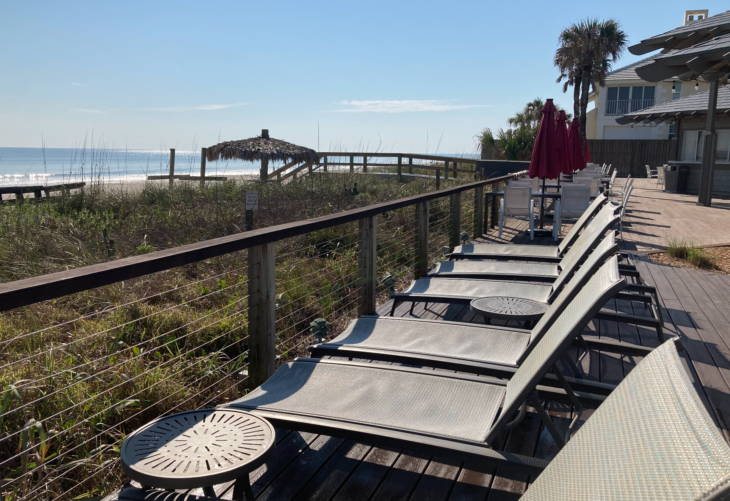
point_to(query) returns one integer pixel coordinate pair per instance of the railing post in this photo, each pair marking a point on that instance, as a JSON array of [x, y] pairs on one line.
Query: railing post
[[446, 169], [366, 253], [438, 178], [364, 163], [495, 187], [325, 163], [310, 165], [455, 224], [410, 165], [352, 164], [172, 164], [400, 168], [202, 167], [456, 173], [478, 211], [261, 314], [264, 174], [421, 258]]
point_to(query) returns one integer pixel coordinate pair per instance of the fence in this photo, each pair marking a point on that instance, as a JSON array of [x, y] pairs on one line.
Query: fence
[[81, 368], [631, 156]]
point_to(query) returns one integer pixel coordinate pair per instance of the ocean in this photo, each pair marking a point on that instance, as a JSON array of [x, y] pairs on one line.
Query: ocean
[[49, 166]]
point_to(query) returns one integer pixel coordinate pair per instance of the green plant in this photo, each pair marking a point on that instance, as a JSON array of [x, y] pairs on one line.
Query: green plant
[[698, 258], [683, 249], [678, 248]]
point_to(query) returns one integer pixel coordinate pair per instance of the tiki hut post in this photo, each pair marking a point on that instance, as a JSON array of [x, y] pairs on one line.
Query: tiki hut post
[[264, 161]]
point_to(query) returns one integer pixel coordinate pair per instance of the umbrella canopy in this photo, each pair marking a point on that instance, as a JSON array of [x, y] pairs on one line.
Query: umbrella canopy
[[261, 148], [544, 162], [561, 141], [575, 152]]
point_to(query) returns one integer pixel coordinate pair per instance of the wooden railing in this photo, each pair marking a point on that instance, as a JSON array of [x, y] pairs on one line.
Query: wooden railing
[[359, 162], [261, 246]]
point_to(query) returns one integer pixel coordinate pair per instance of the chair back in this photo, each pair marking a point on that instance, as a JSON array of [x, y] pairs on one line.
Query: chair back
[[648, 171], [517, 200], [651, 439], [603, 285], [575, 199], [660, 173], [613, 177]]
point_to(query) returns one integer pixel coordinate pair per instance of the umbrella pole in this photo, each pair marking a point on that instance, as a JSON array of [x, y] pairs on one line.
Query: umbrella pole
[[542, 206]]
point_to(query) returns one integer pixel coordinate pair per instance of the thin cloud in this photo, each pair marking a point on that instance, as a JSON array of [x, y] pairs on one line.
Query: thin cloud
[[406, 106], [78, 84], [205, 107], [87, 110]]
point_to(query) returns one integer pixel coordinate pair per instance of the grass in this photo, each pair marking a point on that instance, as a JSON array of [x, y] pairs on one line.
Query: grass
[[683, 249], [80, 372]]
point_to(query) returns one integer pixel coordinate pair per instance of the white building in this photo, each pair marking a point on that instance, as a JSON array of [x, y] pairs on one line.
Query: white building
[[625, 92]]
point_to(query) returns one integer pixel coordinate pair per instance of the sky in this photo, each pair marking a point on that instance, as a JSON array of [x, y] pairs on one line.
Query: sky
[[372, 75]]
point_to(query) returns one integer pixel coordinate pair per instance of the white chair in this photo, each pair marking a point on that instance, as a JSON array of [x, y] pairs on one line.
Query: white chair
[[621, 191], [651, 174], [517, 204], [574, 201], [591, 183], [660, 176], [611, 181]]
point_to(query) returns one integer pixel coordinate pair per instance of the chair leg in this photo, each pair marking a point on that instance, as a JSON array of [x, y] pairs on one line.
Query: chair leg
[[532, 226], [501, 216]]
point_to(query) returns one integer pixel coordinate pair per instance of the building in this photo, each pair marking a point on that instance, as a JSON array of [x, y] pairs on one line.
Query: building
[[626, 92]]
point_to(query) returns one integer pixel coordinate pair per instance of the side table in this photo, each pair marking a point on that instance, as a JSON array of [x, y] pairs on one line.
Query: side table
[[199, 449], [508, 308]]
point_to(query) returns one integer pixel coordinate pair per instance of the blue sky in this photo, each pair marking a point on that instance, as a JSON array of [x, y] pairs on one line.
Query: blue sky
[[399, 76]]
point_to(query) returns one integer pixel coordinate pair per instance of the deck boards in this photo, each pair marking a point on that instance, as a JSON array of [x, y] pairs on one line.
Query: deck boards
[[695, 305]]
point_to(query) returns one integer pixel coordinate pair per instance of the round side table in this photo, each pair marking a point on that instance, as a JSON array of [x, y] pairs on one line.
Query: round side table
[[199, 449], [508, 308]]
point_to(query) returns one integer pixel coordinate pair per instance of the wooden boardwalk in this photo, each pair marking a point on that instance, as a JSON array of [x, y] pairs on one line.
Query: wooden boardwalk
[[696, 307]]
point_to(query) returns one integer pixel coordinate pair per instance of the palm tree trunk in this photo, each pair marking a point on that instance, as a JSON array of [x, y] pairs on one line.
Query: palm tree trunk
[[585, 89], [576, 94]]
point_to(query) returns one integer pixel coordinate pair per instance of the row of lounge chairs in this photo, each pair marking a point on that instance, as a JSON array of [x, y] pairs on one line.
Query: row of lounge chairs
[[649, 438]]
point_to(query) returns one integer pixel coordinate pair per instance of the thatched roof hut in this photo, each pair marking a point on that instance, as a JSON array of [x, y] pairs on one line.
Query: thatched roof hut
[[263, 148]]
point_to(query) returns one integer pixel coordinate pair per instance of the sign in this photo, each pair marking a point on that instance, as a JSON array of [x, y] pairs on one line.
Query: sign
[[252, 200]]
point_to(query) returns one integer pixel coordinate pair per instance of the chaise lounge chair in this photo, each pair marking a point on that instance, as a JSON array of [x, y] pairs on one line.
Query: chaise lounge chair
[[485, 350], [621, 452], [530, 252], [593, 234]]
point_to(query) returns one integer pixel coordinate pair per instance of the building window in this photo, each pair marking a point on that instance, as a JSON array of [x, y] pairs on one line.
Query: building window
[[622, 100], [693, 143], [671, 131]]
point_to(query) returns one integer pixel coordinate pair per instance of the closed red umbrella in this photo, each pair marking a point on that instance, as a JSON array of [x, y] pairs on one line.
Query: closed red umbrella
[[561, 141], [575, 154], [544, 161]]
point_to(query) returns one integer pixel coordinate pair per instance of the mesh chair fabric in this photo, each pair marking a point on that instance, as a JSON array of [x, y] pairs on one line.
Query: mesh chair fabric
[[506, 250], [582, 221], [517, 201], [651, 439], [464, 267], [593, 233], [468, 288], [564, 295], [450, 339], [426, 403], [577, 313]]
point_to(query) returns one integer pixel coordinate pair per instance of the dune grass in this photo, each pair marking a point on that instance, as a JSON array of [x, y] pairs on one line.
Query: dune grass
[[683, 249]]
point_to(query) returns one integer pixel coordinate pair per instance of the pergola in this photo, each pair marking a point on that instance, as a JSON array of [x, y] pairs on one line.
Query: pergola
[[698, 51], [262, 148]]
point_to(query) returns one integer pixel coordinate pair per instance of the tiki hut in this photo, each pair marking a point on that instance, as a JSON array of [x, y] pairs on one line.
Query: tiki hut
[[263, 148]]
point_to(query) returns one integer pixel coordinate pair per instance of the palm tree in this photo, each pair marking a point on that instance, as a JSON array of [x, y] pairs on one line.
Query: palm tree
[[584, 56]]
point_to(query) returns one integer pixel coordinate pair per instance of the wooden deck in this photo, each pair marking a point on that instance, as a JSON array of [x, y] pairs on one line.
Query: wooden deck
[[696, 307]]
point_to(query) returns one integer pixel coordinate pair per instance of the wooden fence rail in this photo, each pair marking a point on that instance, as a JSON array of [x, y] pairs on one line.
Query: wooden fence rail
[[261, 245], [631, 157]]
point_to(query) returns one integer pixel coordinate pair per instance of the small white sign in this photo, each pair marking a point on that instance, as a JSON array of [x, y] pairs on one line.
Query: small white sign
[[252, 200]]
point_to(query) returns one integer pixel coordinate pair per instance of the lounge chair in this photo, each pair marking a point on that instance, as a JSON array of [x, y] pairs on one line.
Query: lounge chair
[[591, 237], [485, 350], [530, 252], [623, 451], [455, 290]]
